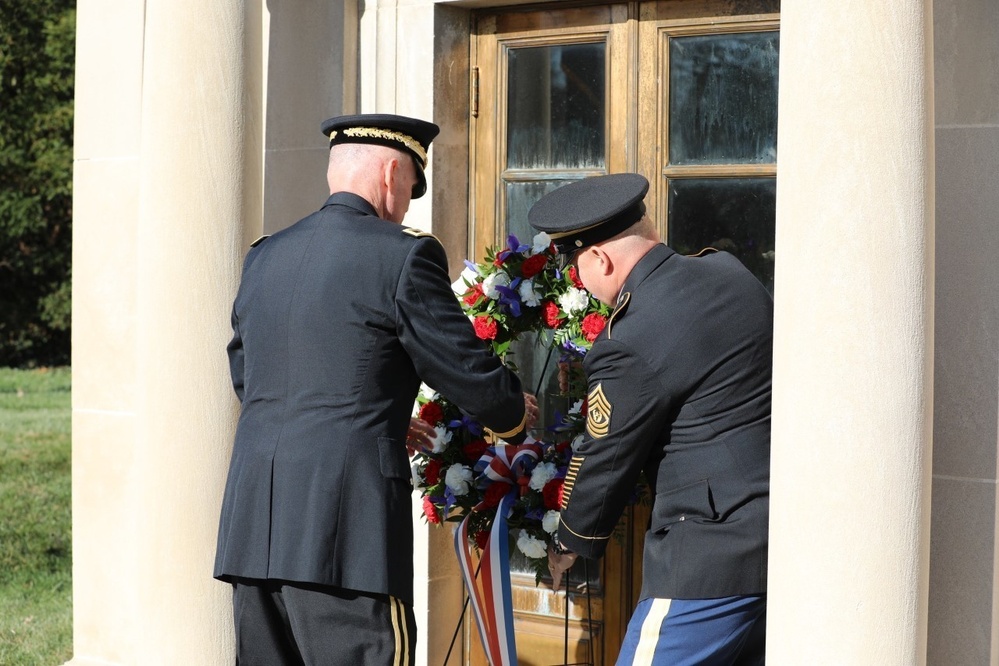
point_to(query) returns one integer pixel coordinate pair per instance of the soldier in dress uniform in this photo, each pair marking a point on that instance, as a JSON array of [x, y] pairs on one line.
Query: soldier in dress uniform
[[678, 388], [337, 320]]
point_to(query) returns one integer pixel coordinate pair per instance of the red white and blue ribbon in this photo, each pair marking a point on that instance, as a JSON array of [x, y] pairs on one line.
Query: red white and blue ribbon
[[491, 596]]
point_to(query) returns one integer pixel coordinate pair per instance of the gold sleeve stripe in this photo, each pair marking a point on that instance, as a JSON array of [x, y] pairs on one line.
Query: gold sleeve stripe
[[570, 479], [588, 538], [510, 433]]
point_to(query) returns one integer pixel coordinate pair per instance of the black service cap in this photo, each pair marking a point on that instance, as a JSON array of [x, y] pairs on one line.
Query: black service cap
[[591, 210], [410, 135]]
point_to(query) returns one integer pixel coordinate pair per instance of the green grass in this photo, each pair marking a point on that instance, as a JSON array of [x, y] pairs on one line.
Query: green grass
[[36, 593]]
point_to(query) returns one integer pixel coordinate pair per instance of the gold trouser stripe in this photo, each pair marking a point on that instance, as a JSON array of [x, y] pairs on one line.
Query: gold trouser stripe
[[401, 631], [651, 630]]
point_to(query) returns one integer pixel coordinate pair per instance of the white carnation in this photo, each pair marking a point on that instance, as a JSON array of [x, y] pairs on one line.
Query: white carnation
[[467, 277], [531, 547], [576, 407], [528, 294], [497, 279], [576, 442], [573, 301], [550, 521], [541, 243], [458, 478], [442, 438], [542, 474]]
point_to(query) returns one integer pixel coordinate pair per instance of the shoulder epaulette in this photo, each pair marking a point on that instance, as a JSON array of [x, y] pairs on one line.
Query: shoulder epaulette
[[260, 240], [707, 250], [417, 233]]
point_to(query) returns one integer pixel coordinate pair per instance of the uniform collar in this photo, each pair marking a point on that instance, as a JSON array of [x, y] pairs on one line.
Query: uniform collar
[[351, 200], [650, 262]]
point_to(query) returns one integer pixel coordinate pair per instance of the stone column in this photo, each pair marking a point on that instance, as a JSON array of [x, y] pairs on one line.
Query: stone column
[[853, 368], [153, 408]]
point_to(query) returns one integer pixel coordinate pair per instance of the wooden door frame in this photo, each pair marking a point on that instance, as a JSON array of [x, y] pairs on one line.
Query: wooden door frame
[[454, 191]]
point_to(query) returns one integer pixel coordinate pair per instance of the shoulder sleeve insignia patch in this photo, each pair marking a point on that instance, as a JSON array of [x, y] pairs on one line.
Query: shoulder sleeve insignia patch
[[260, 240], [598, 413], [416, 233]]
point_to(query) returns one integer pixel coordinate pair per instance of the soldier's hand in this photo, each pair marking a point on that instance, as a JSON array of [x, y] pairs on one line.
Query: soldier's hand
[[563, 377], [569, 372], [558, 564], [531, 410], [420, 436]]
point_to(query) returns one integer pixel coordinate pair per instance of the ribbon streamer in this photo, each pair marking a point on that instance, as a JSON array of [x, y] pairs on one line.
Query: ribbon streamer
[[491, 596]]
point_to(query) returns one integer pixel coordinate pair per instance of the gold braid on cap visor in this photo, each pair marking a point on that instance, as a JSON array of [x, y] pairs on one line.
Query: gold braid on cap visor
[[388, 135]]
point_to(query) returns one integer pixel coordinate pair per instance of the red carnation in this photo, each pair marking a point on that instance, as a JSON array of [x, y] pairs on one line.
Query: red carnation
[[432, 413], [551, 494], [494, 493], [549, 311], [481, 537], [592, 324], [473, 295], [533, 265], [500, 258], [432, 472], [485, 328], [574, 276], [430, 511], [474, 449]]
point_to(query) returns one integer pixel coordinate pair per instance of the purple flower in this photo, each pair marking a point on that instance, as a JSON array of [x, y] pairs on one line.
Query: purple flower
[[515, 245], [472, 426], [509, 298], [535, 514]]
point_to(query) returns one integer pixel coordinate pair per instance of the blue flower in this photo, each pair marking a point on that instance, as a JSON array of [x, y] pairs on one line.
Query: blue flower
[[510, 298], [472, 426]]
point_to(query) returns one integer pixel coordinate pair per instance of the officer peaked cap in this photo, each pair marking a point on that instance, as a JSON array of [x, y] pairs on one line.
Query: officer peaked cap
[[409, 135], [591, 210]]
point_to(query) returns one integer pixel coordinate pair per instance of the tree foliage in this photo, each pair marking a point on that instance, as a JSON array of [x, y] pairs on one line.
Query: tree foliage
[[37, 50]]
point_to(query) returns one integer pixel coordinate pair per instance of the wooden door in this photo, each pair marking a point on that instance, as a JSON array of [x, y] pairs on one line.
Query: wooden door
[[564, 94]]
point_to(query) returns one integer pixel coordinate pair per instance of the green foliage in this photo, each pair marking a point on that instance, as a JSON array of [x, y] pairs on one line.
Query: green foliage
[[37, 52], [36, 610]]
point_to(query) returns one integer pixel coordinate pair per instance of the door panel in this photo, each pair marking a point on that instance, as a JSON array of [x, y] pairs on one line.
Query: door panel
[[708, 118], [682, 91]]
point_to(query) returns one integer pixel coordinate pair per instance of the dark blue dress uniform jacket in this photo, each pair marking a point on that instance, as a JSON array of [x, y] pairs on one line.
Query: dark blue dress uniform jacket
[[679, 386], [337, 320]]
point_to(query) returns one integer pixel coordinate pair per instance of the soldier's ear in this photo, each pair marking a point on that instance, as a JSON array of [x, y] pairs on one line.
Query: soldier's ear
[[603, 261], [389, 173]]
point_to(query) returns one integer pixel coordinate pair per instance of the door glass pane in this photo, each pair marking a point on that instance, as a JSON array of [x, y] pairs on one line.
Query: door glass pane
[[723, 98], [530, 355], [555, 107], [732, 214]]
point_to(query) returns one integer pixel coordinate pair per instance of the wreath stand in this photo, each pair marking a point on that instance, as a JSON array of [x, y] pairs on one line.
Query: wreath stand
[[565, 639]]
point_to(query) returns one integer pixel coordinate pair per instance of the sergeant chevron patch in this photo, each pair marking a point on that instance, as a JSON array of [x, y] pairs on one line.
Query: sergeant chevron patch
[[598, 415]]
